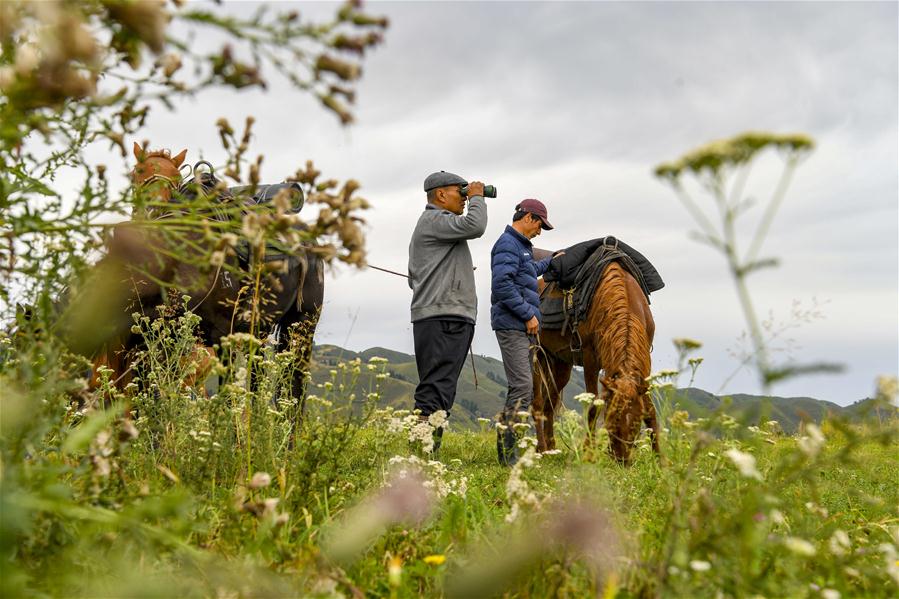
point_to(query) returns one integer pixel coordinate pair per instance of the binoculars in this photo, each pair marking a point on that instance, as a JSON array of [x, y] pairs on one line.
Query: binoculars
[[489, 191]]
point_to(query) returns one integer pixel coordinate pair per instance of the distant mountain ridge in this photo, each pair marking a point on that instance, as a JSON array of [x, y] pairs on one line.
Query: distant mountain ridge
[[486, 399]]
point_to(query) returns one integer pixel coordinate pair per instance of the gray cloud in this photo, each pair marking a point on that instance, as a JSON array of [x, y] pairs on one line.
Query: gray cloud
[[575, 103]]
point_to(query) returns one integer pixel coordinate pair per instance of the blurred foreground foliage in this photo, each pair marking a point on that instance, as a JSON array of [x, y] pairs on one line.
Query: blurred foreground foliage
[[81, 78], [168, 491]]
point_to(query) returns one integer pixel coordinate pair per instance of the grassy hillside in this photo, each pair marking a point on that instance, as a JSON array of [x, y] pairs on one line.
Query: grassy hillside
[[486, 399], [483, 400]]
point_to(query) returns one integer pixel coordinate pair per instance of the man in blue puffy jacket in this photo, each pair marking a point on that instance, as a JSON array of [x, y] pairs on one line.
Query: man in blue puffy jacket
[[515, 313]]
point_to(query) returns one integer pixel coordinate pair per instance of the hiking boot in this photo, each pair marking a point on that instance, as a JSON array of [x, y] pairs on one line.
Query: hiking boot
[[507, 447], [438, 440]]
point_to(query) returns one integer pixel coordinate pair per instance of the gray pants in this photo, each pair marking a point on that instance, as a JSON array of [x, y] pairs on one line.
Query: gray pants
[[515, 347]]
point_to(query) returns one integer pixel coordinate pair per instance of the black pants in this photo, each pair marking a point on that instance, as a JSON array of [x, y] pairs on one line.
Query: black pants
[[440, 348]]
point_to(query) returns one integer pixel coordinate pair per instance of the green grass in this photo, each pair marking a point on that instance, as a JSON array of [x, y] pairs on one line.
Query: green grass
[[89, 511]]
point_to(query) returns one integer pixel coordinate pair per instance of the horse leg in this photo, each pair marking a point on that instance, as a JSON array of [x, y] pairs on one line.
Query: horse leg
[[538, 405], [299, 323], [199, 366], [652, 423], [542, 376], [591, 381], [561, 372]]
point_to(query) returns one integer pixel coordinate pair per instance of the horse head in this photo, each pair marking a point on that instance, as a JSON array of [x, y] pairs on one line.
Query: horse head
[[625, 399], [157, 167]]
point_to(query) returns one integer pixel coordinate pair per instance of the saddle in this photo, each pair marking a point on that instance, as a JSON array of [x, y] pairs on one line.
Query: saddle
[[578, 275], [206, 181]]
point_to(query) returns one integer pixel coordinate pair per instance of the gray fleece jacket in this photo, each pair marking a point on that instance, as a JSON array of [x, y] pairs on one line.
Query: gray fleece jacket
[[440, 268]]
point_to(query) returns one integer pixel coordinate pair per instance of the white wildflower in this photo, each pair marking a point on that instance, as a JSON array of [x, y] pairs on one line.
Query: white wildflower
[[816, 509], [584, 398], [888, 389], [526, 442], [260, 480], [377, 360], [424, 434], [665, 373], [438, 419], [698, 565], [812, 441], [729, 422], [269, 505], [744, 462], [799, 546], [830, 594], [892, 560]]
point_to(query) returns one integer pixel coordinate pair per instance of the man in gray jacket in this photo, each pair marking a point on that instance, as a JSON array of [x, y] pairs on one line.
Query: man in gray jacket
[[444, 302]]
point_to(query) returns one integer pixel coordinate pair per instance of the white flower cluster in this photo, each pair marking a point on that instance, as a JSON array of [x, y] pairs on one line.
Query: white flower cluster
[[438, 419], [518, 492], [765, 432], [585, 399], [728, 422], [811, 442], [420, 431], [888, 389], [203, 441], [799, 546], [438, 479], [839, 543], [745, 463]]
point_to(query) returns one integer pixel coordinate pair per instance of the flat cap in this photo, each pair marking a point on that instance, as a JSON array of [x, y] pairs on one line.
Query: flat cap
[[442, 179]]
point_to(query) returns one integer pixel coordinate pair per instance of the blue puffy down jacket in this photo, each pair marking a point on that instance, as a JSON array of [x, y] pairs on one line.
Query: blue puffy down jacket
[[513, 289]]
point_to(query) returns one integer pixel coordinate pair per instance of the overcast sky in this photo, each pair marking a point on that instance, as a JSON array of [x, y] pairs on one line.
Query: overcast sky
[[574, 104]]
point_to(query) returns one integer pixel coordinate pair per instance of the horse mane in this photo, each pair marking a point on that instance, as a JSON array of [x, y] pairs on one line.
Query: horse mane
[[623, 350]]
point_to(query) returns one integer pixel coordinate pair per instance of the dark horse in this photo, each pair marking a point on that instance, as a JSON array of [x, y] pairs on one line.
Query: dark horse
[[142, 267], [616, 337]]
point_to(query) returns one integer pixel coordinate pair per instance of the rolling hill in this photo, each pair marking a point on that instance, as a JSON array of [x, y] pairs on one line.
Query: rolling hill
[[486, 399]]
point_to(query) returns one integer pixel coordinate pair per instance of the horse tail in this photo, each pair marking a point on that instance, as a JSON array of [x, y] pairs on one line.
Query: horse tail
[[624, 354]]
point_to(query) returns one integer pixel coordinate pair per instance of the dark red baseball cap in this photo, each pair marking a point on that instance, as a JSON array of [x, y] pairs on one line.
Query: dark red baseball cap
[[536, 208]]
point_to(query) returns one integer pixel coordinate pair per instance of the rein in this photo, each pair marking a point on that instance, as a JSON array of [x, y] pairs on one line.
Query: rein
[[544, 378], [474, 372], [157, 177]]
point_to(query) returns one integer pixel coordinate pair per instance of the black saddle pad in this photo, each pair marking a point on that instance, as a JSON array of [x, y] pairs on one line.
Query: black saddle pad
[[266, 192], [580, 269], [564, 269]]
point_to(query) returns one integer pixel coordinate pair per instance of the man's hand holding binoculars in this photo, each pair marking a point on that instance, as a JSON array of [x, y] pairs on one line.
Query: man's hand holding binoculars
[[475, 188]]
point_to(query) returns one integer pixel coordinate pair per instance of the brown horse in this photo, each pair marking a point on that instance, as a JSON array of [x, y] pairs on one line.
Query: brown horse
[[615, 337], [141, 267]]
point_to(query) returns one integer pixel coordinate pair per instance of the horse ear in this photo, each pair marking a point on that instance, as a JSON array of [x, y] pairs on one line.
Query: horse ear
[[177, 160], [138, 151]]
